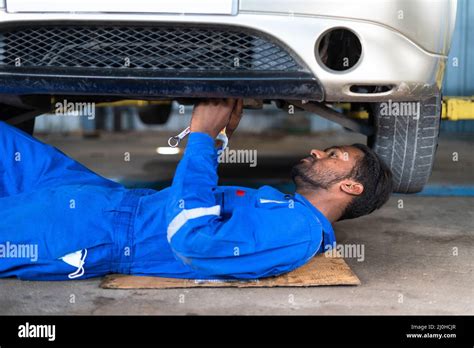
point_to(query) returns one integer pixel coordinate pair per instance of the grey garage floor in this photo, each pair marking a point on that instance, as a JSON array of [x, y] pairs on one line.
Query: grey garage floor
[[418, 250]]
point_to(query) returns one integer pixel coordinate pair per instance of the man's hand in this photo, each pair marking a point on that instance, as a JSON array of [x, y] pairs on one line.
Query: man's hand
[[234, 118], [212, 116]]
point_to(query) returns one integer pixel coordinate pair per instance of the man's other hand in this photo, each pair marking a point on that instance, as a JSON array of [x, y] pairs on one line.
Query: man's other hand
[[212, 116], [234, 118]]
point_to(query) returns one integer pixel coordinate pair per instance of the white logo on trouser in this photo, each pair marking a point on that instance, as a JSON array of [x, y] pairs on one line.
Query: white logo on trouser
[[76, 259]]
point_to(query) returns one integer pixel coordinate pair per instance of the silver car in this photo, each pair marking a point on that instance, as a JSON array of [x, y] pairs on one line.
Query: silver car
[[387, 57]]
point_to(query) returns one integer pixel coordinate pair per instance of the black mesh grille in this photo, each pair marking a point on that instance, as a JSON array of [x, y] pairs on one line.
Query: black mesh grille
[[129, 47]]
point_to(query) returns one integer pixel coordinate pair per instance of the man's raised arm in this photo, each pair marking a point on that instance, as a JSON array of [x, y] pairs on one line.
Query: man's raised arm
[[191, 201], [252, 242]]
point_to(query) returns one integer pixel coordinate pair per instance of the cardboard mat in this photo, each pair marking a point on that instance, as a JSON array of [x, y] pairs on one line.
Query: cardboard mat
[[321, 270]]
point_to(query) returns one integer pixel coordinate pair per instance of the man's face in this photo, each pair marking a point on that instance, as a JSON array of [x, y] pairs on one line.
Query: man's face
[[322, 169]]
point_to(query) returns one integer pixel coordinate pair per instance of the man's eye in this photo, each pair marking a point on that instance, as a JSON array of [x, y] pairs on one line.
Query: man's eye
[[333, 154]]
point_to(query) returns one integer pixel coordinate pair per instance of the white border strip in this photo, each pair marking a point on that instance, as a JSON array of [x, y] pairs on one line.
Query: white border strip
[[189, 214]]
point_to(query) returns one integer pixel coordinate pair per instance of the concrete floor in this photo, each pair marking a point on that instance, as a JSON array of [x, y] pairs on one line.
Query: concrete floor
[[418, 259]]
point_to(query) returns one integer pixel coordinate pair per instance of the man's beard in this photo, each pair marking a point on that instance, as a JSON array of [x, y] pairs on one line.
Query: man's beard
[[308, 176]]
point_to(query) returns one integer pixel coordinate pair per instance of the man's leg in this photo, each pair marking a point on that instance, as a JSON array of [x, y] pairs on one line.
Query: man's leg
[[52, 206], [28, 266], [39, 228], [27, 164]]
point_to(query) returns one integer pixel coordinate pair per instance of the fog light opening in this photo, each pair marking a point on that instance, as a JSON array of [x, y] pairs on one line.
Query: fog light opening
[[339, 49], [370, 89]]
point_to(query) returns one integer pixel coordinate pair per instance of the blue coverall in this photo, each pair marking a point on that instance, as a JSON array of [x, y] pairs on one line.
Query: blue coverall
[[84, 225]]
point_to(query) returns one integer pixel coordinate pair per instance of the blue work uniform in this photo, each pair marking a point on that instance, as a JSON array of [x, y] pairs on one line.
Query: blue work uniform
[[59, 220]]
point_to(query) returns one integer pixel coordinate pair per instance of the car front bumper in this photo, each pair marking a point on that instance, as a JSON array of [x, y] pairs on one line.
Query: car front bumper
[[388, 58]]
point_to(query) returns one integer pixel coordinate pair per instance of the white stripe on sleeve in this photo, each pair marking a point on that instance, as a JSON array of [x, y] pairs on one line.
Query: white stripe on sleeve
[[188, 214]]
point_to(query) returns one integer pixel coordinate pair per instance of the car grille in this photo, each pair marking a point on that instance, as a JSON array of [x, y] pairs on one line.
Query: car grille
[[146, 47]]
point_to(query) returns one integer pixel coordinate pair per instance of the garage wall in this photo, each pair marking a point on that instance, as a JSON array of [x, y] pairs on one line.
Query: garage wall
[[459, 79]]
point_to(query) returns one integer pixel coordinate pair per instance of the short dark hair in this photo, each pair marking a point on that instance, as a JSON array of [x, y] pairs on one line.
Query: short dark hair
[[376, 177]]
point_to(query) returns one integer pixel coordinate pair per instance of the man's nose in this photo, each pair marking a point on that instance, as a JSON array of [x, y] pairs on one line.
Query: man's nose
[[318, 153]]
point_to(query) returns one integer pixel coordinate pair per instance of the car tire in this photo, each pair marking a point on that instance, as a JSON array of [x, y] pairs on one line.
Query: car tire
[[28, 125], [155, 114], [407, 144]]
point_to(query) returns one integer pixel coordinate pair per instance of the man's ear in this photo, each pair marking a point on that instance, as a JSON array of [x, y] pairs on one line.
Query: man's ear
[[352, 187]]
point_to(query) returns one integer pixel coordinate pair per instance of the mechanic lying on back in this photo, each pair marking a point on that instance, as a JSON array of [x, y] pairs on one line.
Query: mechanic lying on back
[[83, 225]]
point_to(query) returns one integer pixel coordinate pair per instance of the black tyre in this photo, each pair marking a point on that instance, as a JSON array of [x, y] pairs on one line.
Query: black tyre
[[407, 143], [26, 117], [155, 114], [27, 126]]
